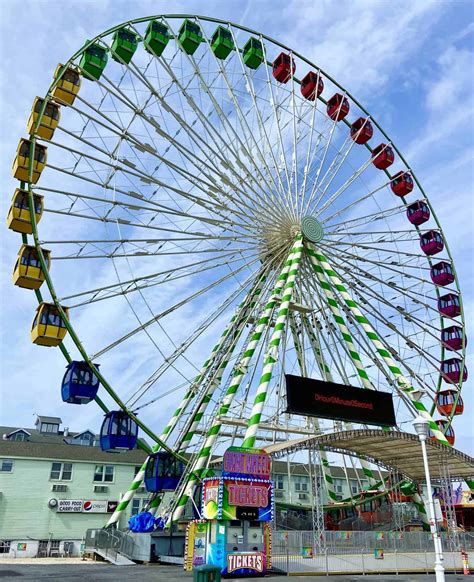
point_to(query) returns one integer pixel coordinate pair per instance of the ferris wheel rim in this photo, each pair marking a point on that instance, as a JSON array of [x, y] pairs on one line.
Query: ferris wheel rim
[[284, 47]]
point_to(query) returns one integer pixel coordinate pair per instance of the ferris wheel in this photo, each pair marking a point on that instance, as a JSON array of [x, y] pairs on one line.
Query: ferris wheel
[[189, 183]]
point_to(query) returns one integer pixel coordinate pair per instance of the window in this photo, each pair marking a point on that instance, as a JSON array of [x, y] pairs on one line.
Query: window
[[338, 485], [61, 471], [138, 505], [6, 465], [5, 546], [354, 487], [104, 473], [279, 482], [85, 439], [301, 484], [19, 435], [46, 426]]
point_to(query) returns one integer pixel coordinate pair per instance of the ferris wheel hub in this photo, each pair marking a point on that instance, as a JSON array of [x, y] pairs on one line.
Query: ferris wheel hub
[[312, 229]]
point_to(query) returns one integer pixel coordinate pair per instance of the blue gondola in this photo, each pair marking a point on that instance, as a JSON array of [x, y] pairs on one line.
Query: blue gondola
[[163, 472], [80, 384], [118, 431]]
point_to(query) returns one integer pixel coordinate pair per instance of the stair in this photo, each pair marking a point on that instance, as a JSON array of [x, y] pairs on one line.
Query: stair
[[114, 557]]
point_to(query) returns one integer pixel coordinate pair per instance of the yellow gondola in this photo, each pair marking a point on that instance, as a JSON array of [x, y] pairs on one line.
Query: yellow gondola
[[68, 86], [27, 272], [21, 162], [48, 328], [18, 218], [49, 120]]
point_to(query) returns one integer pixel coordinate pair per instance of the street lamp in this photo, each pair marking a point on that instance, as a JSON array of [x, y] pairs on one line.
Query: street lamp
[[421, 428]]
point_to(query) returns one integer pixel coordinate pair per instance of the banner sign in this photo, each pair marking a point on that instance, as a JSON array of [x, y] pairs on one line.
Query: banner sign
[[338, 402], [88, 506], [227, 498], [247, 463], [69, 506]]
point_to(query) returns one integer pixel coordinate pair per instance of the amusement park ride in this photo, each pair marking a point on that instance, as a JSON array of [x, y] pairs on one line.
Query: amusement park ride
[[208, 174]]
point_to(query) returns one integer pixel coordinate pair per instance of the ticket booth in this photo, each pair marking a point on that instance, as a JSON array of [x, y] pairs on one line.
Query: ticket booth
[[237, 510]]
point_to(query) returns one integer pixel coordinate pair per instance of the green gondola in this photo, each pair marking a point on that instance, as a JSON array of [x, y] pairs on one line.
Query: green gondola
[[222, 43], [93, 61], [190, 36], [253, 53], [156, 38], [124, 45]]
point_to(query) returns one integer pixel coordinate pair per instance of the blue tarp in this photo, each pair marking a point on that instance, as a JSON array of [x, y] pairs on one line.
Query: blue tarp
[[142, 522]]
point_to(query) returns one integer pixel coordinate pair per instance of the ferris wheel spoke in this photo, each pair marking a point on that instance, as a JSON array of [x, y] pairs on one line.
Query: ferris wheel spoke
[[165, 210], [377, 314], [213, 133], [121, 166], [264, 138], [189, 130], [177, 272], [233, 136], [352, 204], [346, 225], [403, 383], [410, 293], [174, 307], [249, 135], [327, 145]]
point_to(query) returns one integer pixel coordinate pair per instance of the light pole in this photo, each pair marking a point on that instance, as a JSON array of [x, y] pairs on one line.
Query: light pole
[[421, 428]]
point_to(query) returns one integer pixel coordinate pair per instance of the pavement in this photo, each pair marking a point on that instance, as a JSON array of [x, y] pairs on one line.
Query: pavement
[[89, 571]]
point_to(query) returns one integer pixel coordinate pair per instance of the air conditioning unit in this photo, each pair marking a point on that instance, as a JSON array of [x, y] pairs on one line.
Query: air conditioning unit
[[278, 493], [100, 489], [59, 488], [302, 496]]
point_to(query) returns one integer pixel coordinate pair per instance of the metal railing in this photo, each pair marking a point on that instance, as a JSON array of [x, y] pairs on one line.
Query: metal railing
[[363, 551], [110, 542]]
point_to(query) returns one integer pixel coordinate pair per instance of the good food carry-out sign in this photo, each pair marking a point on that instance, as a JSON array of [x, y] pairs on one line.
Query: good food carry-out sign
[[87, 506]]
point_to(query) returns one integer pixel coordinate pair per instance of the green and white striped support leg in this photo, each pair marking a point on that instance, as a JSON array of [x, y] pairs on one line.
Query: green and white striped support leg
[[339, 319], [420, 506], [328, 480], [138, 480], [320, 262], [327, 375], [271, 357], [216, 381], [240, 370]]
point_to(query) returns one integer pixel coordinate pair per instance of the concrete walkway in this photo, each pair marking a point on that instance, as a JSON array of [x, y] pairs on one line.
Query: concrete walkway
[[65, 570]]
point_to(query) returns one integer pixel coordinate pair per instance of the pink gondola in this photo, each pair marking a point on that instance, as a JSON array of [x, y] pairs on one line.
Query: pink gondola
[[451, 371], [418, 212], [449, 305], [442, 274], [431, 242]]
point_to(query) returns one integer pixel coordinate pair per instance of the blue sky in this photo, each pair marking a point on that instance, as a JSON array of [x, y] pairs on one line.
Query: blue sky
[[409, 63]]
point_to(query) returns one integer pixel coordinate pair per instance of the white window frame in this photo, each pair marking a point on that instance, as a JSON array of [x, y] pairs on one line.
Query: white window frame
[[8, 462], [102, 469], [61, 471]]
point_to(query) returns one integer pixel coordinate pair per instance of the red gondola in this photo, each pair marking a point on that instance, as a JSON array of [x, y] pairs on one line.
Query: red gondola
[[283, 67], [401, 184], [447, 430], [361, 130], [382, 156], [452, 337], [442, 274], [431, 242], [309, 83], [418, 212], [445, 403], [451, 371], [337, 107], [449, 305]]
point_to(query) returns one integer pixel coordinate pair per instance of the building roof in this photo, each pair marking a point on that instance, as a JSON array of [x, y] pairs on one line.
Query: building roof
[[48, 419], [38, 436], [390, 449], [65, 452]]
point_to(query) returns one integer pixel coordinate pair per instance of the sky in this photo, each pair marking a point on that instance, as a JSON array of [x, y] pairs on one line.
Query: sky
[[409, 63]]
